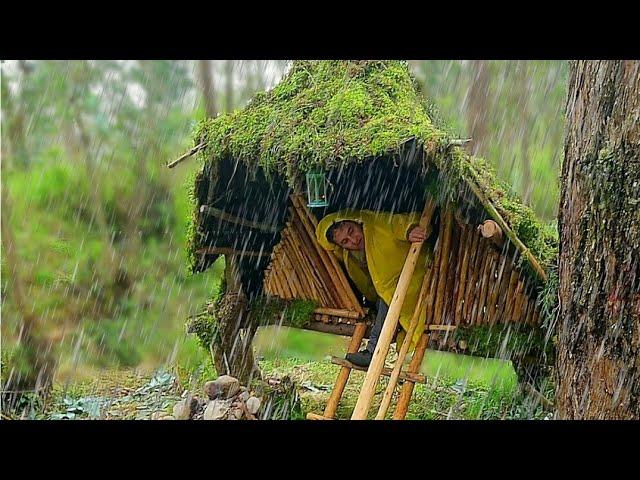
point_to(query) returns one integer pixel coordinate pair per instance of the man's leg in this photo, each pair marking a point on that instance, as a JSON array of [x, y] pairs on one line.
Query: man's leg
[[383, 308], [363, 357]]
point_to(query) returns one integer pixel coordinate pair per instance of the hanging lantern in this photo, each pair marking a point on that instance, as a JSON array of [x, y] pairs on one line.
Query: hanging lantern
[[316, 189]]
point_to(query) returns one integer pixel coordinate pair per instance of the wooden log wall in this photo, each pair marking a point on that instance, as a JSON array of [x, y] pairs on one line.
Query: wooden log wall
[[473, 279], [301, 269]]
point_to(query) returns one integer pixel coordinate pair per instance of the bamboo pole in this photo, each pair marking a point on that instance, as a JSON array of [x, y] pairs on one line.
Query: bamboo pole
[[343, 376], [495, 289], [473, 247], [391, 321], [407, 388], [475, 283], [404, 349], [462, 278], [486, 276], [510, 296], [444, 264]]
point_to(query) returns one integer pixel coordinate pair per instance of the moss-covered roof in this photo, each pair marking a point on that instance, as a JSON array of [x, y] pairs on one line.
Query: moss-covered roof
[[328, 112]]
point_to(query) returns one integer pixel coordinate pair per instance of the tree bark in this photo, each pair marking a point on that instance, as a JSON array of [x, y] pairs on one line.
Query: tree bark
[[598, 370], [477, 110], [206, 84], [228, 85], [232, 346]]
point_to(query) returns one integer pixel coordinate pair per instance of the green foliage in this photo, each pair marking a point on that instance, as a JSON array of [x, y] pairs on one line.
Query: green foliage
[[295, 313]]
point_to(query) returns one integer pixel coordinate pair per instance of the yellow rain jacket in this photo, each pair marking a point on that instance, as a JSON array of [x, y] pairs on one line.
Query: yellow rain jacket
[[386, 248]]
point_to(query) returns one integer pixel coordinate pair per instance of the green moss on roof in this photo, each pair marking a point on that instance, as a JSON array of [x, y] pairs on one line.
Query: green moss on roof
[[321, 113], [328, 112]]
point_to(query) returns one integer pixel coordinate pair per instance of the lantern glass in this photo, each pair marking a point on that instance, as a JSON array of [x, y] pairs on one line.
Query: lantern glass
[[316, 189]]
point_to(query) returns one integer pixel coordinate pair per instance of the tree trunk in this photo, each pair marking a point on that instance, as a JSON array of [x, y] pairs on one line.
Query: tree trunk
[[599, 327], [477, 111], [228, 85], [206, 84], [232, 346], [32, 364]]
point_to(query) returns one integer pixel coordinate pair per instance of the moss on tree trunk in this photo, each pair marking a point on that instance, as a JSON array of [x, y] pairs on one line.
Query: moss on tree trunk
[[599, 323]]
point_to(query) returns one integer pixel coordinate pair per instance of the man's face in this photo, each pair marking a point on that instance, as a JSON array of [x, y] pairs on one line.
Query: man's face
[[349, 235]]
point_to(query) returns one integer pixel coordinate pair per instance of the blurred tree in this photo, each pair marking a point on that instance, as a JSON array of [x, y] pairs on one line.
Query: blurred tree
[[478, 105], [228, 85], [599, 267], [206, 85]]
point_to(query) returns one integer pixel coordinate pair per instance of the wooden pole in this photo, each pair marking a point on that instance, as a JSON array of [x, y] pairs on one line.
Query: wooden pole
[[391, 322], [444, 265], [463, 275], [404, 349], [343, 376], [407, 389]]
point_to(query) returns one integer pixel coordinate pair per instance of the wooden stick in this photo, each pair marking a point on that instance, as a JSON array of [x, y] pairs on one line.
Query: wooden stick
[[512, 236], [184, 156], [343, 376], [513, 279], [486, 276], [391, 322], [473, 247], [229, 251], [462, 278], [444, 264], [407, 389], [408, 376], [297, 271], [501, 261], [404, 349], [337, 312], [227, 217]]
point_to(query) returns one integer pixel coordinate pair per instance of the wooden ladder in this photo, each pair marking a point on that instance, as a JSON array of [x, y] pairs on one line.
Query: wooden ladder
[[376, 368]]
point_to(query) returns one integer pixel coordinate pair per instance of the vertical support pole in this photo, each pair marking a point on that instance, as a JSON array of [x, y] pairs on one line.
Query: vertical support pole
[[407, 388], [390, 323], [343, 376]]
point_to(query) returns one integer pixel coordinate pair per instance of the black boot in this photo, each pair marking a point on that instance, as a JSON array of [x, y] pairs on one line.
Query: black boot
[[361, 358]]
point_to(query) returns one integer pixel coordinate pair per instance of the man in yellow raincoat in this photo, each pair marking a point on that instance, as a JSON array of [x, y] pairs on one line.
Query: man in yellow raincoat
[[373, 247]]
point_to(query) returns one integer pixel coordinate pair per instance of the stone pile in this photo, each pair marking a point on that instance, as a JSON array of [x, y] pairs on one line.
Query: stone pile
[[224, 399]]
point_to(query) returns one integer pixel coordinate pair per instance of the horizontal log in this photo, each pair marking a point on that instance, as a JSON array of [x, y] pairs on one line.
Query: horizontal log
[[442, 328], [230, 251], [343, 329], [315, 416], [337, 312], [411, 377], [227, 217]]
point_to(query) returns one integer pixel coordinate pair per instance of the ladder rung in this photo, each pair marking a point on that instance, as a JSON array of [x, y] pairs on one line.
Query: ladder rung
[[442, 328], [411, 377]]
